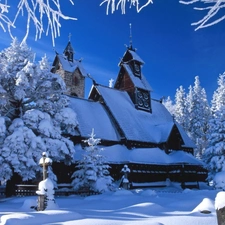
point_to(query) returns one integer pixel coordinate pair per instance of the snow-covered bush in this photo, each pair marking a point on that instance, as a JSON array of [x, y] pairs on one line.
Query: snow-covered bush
[[219, 180], [92, 172], [33, 113]]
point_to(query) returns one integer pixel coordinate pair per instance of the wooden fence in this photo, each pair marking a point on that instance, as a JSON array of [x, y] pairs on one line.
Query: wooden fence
[[63, 190]]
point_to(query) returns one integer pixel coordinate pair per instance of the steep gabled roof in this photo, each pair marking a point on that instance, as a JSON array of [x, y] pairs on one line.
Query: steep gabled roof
[[70, 66], [187, 141], [93, 115], [68, 48], [138, 82], [139, 125], [131, 55]]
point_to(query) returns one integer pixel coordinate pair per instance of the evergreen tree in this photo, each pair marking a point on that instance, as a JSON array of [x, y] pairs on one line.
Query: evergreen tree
[[34, 113], [218, 99], [92, 171], [168, 103], [214, 155], [198, 116], [180, 111]]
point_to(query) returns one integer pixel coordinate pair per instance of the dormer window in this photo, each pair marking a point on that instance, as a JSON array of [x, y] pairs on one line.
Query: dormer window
[[143, 100], [136, 69]]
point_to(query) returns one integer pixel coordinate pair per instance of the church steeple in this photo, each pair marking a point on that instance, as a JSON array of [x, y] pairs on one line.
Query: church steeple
[[131, 43], [69, 52]]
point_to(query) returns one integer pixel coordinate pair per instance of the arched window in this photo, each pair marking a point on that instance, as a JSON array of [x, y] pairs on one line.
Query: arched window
[[75, 81]]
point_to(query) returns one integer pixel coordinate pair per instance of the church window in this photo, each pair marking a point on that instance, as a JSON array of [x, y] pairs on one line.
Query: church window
[[137, 69], [143, 100], [75, 81]]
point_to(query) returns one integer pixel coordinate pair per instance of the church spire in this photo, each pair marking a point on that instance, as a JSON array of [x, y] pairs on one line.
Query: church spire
[[69, 52], [131, 41], [130, 46]]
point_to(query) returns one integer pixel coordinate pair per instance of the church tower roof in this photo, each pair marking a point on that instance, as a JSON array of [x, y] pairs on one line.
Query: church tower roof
[[69, 52]]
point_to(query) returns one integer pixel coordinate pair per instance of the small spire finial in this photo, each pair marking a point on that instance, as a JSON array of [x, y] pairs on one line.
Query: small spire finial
[[70, 35], [130, 35]]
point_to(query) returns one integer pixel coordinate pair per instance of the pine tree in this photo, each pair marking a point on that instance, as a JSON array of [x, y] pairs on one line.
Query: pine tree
[[218, 99], [34, 113], [168, 103], [198, 116], [92, 173], [214, 155], [180, 111]]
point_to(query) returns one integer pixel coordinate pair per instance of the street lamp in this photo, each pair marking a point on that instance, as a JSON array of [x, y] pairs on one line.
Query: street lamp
[[46, 187], [45, 162]]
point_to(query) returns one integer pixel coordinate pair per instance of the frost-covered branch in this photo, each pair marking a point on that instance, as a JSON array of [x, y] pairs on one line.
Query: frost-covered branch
[[4, 20], [212, 16], [44, 14], [37, 12], [122, 5]]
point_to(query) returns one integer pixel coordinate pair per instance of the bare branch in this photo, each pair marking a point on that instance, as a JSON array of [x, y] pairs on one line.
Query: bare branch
[[4, 20], [37, 12], [213, 9], [122, 5]]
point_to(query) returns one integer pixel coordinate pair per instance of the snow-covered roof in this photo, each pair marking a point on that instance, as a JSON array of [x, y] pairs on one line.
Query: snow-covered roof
[[138, 82], [155, 156], [93, 115], [71, 66], [138, 125], [187, 141], [135, 56]]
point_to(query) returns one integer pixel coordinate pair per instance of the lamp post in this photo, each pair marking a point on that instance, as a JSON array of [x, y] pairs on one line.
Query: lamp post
[[45, 162], [45, 188]]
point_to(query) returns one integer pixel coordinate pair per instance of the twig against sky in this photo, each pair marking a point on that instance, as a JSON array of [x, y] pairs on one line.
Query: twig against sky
[[111, 4], [45, 15], [212, 16]]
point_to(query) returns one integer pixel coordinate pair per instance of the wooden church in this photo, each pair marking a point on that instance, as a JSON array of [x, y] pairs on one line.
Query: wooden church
[[134, 129]]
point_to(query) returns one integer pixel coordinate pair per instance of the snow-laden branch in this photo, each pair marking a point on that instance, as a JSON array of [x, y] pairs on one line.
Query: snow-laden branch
[[122, 5], [213, 7], [44, 14], [4, 20], [37, 12]]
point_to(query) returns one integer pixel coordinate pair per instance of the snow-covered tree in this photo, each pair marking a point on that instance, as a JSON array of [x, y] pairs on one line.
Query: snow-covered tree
[[215, 152], [213, 9], [214, 155], [180, 110], [218, 99], [92, 171], [168, 103], [34, 113], [198, 116]]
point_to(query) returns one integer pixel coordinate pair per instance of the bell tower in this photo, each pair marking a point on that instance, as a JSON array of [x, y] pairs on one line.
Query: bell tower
[[131, 79], [71, 70]]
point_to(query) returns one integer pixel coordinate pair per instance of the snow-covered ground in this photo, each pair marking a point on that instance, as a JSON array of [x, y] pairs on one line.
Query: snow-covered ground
[[164, 206]]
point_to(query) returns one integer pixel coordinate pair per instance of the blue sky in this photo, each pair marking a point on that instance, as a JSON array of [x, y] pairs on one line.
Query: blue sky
[[174, 53]]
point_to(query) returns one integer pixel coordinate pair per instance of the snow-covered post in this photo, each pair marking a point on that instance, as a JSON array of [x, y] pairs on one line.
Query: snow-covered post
[[220, 207], [125, 182], [46, 187]]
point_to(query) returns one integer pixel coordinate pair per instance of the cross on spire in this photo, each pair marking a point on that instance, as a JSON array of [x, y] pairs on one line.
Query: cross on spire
[[70, 35], [130, 36]]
